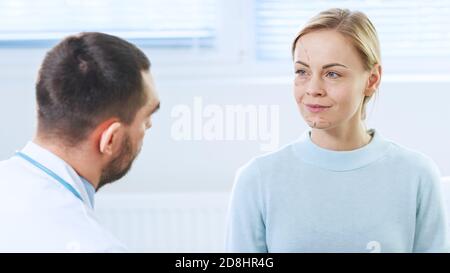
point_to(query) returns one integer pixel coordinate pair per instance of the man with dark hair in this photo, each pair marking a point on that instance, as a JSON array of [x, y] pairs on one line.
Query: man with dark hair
[[95, 99]]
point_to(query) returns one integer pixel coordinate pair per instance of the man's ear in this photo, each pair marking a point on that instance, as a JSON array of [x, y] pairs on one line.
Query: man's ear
[[110, 138], [374, 80]]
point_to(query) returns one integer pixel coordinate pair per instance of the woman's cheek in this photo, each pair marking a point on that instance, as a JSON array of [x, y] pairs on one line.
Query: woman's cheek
[[298, 94]]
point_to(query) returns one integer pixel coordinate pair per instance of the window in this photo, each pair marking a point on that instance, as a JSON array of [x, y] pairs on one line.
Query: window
[[152, 23], [410, 28]]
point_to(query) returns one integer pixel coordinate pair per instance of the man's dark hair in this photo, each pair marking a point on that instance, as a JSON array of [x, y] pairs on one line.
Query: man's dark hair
[[86, 79]]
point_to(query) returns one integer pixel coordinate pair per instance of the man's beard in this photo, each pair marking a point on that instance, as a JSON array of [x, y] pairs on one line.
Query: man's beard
[[119, 166]]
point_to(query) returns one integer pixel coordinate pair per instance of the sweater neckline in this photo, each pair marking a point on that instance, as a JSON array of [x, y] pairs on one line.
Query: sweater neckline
[[311, 153]]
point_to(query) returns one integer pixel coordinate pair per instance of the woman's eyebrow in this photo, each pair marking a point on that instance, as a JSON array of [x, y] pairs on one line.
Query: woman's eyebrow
[[323, 67], [333, 64]]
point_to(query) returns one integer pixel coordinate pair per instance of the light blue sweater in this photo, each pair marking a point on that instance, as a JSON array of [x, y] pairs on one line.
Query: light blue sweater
[[303, 198]]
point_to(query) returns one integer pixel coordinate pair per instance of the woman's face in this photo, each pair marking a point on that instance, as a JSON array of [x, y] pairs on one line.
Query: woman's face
[[330, 80]]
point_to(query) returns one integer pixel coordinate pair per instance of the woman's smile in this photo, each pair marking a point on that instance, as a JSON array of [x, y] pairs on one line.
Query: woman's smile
[[316, 108]]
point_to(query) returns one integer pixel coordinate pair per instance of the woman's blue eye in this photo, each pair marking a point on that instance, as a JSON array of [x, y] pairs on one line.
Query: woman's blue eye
[[333, 75]]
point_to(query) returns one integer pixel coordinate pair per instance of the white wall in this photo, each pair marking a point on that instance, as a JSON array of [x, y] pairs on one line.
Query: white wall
[[413, 111]]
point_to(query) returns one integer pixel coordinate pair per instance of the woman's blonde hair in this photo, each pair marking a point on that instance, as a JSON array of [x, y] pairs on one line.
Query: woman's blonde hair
[[354, 25]]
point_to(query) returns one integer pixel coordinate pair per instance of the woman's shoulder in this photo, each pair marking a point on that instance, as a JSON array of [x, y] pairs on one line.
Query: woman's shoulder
[[411, 158]]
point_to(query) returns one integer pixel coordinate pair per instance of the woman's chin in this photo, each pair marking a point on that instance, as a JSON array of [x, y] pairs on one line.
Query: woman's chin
[[318, 123]]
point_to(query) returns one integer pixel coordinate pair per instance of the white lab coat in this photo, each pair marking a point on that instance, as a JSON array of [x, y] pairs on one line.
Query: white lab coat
[[38, 214]]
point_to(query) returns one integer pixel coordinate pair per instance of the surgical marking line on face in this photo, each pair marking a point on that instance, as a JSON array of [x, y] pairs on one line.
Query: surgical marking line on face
[[306, 51], [308, 58], [315, 124]]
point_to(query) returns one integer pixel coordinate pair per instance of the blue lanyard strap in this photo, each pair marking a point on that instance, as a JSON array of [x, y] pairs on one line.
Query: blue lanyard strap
[[51, 173]]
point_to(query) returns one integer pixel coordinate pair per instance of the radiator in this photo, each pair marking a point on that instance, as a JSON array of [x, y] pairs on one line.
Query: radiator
[[169, 222]]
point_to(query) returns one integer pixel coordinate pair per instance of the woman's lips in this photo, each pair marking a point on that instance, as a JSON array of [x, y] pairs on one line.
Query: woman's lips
[[316, 108]]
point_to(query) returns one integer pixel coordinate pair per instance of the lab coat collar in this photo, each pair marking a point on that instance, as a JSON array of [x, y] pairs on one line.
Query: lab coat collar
[[59, 167]]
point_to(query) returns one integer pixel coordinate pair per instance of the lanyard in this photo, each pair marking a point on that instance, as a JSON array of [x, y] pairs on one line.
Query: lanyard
[[51, 173]]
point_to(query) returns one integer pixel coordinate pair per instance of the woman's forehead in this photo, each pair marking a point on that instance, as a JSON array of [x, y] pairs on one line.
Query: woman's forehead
[[326, 46]]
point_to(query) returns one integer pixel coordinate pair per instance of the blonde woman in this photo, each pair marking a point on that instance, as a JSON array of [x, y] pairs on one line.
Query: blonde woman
[[340, 187]]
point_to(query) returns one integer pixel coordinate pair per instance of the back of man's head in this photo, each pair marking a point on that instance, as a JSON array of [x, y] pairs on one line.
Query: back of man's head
[[86, 79]]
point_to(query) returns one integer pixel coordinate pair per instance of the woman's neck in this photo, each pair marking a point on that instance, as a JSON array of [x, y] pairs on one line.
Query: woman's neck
[[342, 138]]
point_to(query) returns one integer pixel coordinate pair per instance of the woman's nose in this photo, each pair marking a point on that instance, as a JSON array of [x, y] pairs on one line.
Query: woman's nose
[[316, 92], [315, 88]]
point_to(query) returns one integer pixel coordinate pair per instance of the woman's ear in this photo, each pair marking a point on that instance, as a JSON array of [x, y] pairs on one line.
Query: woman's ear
[[374, 80], [110, 138]]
